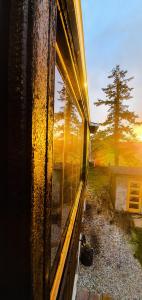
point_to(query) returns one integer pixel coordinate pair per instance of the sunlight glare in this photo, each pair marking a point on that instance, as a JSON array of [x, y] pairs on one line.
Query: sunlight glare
[[138, 132]]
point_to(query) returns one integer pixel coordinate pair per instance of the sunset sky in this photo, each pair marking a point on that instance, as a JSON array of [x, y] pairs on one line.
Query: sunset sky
[[113, 35]]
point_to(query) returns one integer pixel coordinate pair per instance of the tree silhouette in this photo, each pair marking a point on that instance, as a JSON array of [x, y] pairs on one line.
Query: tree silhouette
[[119, 122]]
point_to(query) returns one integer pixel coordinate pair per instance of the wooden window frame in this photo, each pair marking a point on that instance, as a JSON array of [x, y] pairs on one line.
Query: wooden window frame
[[139, 203]]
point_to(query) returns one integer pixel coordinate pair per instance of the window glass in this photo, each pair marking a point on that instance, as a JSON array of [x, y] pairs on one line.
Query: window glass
[[135, 192], [67, 159], [134, 199], [135, 185], [135, 206]]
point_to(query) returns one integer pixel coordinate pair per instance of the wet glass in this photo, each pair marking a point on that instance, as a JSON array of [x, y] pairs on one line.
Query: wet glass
[[67, 159]]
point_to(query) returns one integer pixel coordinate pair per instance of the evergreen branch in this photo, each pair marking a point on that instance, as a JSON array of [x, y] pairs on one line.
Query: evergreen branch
[[128, 115], [100, 102]]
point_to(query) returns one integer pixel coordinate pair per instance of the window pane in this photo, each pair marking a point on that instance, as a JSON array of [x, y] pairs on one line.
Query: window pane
[[135, 185], [72, 155], [134, 192], [58, 158], [67, 159], [134, 199], [132, 205]]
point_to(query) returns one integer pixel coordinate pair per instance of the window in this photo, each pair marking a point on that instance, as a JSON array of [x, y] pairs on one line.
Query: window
[[134, 196], [67, 160]]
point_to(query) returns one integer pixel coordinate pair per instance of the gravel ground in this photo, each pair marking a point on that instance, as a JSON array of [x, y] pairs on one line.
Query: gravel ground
[[115, 271]]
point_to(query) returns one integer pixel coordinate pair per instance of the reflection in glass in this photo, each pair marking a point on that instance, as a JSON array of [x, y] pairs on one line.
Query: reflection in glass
[[67, 159]]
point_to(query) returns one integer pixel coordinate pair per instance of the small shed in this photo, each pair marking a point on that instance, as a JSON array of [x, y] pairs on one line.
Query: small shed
[[126, 188]]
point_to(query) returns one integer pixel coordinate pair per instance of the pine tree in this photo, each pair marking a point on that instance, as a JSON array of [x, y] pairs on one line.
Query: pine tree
[[119, 122]]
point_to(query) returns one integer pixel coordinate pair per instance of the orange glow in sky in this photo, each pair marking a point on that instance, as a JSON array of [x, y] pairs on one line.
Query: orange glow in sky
[[138, 131]]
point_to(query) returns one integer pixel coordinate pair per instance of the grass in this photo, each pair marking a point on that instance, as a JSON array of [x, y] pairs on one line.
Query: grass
[[97, 178], [124, 220], [136, 241]]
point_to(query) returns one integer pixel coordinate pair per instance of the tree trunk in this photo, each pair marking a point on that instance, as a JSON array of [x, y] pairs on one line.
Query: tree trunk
[[116, 125], [116, 152], [116, 158]]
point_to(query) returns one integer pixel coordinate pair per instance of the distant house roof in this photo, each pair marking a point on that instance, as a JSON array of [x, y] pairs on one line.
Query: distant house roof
[[136, 171]]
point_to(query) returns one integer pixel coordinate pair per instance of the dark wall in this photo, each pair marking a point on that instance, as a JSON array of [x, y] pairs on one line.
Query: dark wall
[[44, 37], [30, 56], [4, 33], [17, 282]]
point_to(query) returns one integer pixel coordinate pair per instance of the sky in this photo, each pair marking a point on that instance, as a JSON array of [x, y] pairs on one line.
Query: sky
[[112, 36]]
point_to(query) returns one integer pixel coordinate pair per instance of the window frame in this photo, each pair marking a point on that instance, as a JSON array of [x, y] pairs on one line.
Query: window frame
[[139, 196], [61, 66]]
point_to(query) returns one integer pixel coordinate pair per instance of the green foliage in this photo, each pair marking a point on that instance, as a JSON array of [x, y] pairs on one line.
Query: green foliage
[[136, 241], [118, 125], [123, 219], [102, 149]]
